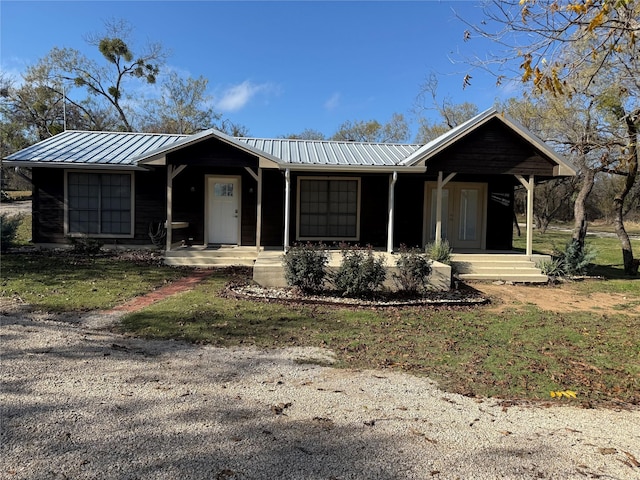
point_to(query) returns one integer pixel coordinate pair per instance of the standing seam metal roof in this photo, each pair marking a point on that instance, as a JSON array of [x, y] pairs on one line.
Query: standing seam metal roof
[[324, 152], [80, 147], [123, 148]]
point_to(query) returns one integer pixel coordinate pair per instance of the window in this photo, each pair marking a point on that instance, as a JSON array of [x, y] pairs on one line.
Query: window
[[328, 208], [99, 203]]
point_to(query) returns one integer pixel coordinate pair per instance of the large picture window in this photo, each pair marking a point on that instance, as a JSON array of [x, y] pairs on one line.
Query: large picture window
[[99, 203], [328, 208]]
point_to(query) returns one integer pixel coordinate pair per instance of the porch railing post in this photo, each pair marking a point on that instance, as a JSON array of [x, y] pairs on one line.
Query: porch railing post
[[530, 189], [287, 207], [438, 237], [529, 185], [392, 186], [169, 206], [259, 211]]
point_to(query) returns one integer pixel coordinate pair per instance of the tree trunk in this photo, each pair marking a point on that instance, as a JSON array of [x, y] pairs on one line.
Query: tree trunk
[[579, 208], [630, 266]]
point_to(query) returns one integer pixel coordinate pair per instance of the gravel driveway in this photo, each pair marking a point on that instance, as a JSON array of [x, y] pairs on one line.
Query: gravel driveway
[[80, 402]]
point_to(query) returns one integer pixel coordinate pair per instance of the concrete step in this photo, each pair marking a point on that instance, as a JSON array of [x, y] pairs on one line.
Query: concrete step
[[209, 262], [470, 267], [515, 277], [199, 256]]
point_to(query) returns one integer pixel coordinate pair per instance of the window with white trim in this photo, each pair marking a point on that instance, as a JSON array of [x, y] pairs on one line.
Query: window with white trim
[[328, 208], [99, 203]]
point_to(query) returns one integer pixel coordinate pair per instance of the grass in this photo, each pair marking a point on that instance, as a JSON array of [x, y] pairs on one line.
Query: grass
[[524, 353], [519, 353], [59, 282], [608, 262]]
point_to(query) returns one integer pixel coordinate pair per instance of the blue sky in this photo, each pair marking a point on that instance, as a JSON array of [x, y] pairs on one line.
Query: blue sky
[[278, 67]]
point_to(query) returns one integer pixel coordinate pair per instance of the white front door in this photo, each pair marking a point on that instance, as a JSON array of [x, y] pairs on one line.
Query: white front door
[[463, 213], [223, 222]]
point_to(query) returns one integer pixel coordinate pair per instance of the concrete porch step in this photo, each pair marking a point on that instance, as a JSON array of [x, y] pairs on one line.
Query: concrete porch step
[[200, 256], [498, 266], [514, 277]]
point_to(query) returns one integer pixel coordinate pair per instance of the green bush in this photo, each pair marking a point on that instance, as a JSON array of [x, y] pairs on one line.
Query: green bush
[[414, 268], [439, 251], [360, 273], [85, 245], [305, 266], [9, 228], [575, 260]]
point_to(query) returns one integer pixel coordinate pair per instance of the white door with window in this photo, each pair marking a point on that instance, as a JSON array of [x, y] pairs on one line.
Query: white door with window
[[463, 213], [223, 218]]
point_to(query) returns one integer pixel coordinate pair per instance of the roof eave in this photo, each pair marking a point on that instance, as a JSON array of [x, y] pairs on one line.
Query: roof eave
[[353, 168], [68, 165]]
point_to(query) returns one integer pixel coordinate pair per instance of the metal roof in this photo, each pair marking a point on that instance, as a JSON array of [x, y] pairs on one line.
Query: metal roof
[[133, 150], [332, 153], [105, 148]]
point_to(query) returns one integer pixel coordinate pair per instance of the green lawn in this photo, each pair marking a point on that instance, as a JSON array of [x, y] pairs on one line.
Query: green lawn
[[57, 282], [520, 353], [524, 353]]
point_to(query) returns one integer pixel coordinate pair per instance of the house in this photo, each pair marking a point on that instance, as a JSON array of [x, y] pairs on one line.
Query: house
[[212, 189]]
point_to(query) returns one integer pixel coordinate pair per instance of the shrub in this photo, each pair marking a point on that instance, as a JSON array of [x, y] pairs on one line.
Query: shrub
[[85, 245], [360, 273], [8, 228], [439, 251], [414, 269], [305, 266], [575, 260], [552, 268]]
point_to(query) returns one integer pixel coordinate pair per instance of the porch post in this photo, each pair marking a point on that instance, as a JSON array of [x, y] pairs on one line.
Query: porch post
[[287, 208], [438, 238], [392, 186], [441, 183], [529, 186], [259, 210], [169, 206]]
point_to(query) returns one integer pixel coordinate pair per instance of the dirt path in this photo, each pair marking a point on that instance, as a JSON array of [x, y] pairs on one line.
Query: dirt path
[[560, 299]]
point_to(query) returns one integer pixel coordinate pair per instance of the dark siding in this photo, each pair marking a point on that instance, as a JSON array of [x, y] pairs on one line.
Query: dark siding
[[500, 214], [374, 210], [492, 149], [212, 153], [48, 205], [409, 210], [272, 208], [150, 203]]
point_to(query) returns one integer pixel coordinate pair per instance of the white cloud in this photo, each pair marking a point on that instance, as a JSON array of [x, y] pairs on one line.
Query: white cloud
[[237, 97], [333, 102]]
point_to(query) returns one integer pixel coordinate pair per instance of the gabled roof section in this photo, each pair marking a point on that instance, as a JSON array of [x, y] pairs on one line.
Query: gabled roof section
[[319, 153], [422, 155], [77, 148], [153, 156]]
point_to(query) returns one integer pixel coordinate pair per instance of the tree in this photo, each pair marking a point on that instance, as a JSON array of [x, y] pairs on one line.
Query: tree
[[585, 50], [306, 134], [394, 131], [450, 114], [107, 82], [183, 107]]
